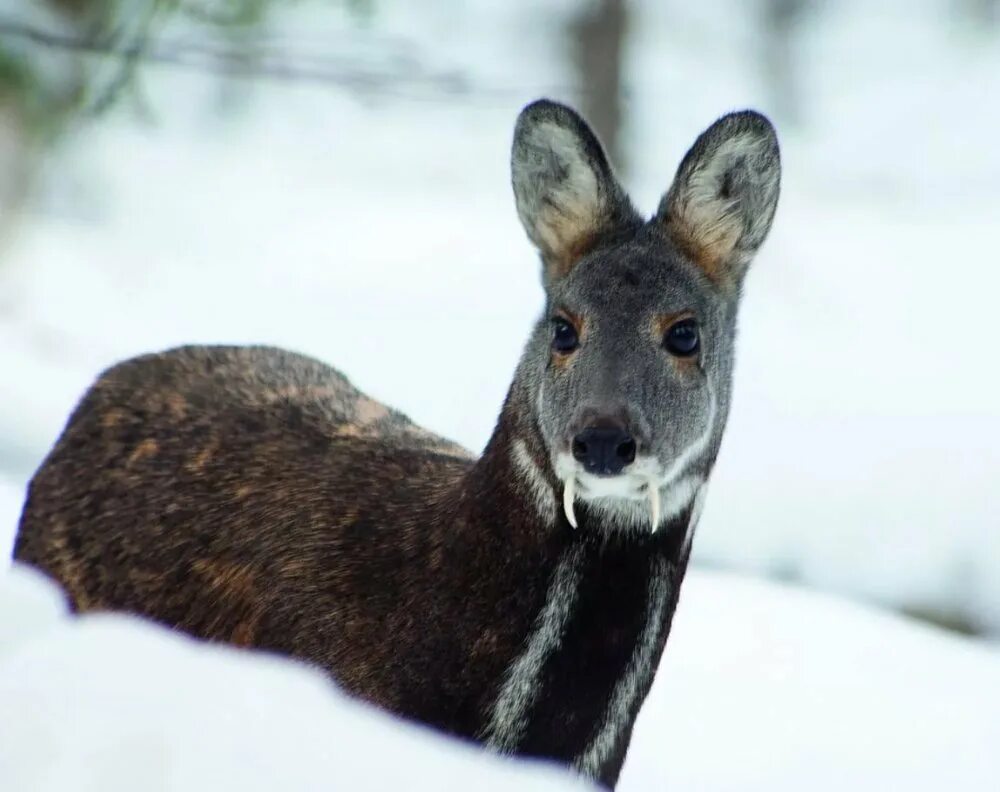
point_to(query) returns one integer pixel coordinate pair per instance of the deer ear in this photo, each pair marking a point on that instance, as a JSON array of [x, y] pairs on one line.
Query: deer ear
[[564, 188], [719, 209]]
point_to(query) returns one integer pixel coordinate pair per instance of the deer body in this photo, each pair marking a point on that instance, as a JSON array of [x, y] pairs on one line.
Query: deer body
[[253, 496]]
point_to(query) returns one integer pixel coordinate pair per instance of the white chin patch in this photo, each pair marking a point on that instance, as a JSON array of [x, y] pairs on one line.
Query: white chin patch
[[591, 487], [639, 498], [636, 499]]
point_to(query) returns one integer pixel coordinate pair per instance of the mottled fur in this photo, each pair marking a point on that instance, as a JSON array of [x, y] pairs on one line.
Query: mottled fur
[[253, 496]]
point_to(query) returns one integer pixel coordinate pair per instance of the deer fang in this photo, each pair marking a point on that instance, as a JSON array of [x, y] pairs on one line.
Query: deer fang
[[654, 501], [568, 494]]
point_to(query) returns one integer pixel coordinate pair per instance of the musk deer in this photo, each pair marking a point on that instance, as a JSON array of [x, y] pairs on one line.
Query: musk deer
[[253, 496]]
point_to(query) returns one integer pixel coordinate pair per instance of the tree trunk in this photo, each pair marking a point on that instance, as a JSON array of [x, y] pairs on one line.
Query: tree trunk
[[598, 44]]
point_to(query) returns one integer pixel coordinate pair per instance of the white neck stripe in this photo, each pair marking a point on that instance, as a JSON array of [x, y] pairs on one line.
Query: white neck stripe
[[509, 717], [541, 493]]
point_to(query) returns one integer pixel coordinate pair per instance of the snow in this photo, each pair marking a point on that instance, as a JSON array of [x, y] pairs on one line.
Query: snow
[[770, 687], [112, 703], [11, 499], [763, 687]]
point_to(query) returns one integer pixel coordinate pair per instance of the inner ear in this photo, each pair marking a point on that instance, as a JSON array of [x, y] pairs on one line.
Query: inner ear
[[720, 207], [566, 193]]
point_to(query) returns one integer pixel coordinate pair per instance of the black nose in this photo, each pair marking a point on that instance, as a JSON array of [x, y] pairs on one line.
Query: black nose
[[604, 450]]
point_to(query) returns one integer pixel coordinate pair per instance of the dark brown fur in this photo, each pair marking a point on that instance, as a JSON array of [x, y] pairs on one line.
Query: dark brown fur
[[227, 523]]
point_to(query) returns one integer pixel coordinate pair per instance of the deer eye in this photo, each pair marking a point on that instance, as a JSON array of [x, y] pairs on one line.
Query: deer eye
[[681, 339], [564, 338]]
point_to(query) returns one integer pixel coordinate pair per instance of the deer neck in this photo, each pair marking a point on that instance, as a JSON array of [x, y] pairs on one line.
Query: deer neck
[[596, 614]]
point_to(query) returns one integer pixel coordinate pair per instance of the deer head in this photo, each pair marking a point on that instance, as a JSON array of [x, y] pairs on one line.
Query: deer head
[[629, 369]]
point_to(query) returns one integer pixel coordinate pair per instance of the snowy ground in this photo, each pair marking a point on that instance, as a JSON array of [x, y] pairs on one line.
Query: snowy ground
[[114, 704], [763, 687]]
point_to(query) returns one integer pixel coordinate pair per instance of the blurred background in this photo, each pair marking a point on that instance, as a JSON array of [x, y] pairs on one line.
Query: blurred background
[[332, 176]]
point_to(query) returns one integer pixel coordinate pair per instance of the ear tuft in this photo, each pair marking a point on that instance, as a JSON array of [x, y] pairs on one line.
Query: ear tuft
[[565, 190], [720, 207]]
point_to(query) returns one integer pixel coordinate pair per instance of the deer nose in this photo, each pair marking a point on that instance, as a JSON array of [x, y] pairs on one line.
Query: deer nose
[[604, 450]]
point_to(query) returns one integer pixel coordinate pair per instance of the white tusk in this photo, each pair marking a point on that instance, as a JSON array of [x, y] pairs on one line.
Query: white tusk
[[568, 500], [654, 501]]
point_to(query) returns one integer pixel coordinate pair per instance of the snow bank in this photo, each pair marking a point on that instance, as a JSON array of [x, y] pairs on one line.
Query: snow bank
[[112, 703], [769, 687], [763, 688]]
